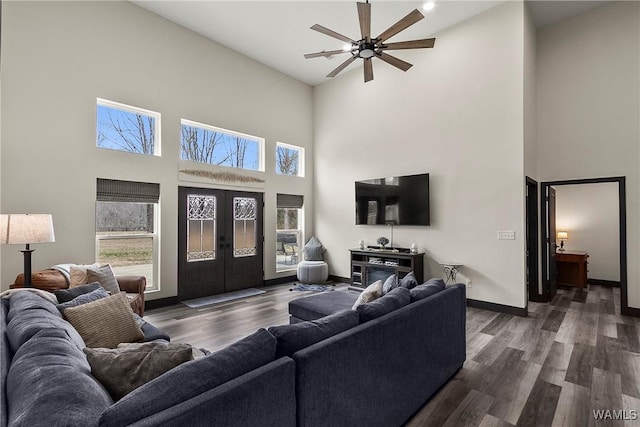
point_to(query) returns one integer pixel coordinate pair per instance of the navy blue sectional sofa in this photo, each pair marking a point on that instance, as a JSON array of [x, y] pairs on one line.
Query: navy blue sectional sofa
[[374, 366]]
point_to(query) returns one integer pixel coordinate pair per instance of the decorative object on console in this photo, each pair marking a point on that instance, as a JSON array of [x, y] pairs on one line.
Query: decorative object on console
[[562, 236], [368, 48], [361, 244], [26, 229], [382, 241], [414, 248]]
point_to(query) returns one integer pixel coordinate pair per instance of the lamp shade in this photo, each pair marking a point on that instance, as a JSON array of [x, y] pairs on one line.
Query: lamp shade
[[26, 228], [563, 235]]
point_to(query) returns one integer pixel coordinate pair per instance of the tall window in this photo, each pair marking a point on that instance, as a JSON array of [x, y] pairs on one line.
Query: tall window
[[127, 228], [289, 159], [126, 128], [207, 144], [288, 231]]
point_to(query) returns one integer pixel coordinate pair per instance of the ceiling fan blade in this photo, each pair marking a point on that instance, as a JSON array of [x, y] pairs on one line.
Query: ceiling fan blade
[[413, 17], [325, 53], [331, 33], [368, 70], [396, 62], [364, 16], [341, 67], [411, 44]]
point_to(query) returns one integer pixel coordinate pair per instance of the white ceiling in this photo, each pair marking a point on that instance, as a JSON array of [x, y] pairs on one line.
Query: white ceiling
[[276, 33]]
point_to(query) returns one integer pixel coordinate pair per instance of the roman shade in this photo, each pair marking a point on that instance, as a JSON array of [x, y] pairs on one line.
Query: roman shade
[[112, 190], [290, 201]]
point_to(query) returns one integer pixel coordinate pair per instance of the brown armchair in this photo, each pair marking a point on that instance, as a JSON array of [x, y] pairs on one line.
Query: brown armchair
[[53, 280]]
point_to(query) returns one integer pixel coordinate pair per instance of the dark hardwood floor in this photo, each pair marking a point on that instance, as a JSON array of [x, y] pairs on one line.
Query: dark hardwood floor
[[570, 357]]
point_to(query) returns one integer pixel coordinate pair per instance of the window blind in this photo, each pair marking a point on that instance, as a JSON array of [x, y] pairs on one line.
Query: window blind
[[290, 201], [112, 190]]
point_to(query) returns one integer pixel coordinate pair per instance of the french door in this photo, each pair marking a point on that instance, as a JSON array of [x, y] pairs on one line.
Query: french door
[[220, 233]]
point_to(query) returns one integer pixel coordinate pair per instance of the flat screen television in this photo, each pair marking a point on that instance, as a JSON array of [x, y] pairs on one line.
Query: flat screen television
[[398, 200]]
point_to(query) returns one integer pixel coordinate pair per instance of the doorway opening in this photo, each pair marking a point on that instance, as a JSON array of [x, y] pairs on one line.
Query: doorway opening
[[549, 244], [531, 215]]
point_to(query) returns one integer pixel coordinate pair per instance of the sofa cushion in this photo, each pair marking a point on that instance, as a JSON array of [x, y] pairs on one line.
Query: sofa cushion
[[94, 295], [66, 295], [123, 369], [396, 298], [104, 275], [409, 281], [50, 381], [29, 314], [106, 322], [320, 305], [371, 293], [193, 378], [292, 338], [427, 289]]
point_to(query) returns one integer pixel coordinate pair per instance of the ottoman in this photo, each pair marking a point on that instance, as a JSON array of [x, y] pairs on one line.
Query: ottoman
[[313, 272], [320, 305]]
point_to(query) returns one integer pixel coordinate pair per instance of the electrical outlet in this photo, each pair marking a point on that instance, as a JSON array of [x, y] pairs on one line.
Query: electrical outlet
[[468, 283], [506, 235]]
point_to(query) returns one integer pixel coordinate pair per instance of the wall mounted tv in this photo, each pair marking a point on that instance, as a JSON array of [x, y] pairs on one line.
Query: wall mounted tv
[[398, 200]]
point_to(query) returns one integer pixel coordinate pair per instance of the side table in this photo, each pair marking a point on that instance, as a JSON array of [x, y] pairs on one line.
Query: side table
[[450, 270]]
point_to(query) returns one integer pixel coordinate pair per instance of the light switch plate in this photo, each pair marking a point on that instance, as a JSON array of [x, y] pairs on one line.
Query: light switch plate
[[506, 235]]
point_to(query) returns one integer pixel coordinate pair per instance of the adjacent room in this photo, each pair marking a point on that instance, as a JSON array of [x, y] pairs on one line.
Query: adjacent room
[[273, 213]]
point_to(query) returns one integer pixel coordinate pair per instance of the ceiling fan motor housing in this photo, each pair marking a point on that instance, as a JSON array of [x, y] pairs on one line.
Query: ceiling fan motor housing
[[366, 49]]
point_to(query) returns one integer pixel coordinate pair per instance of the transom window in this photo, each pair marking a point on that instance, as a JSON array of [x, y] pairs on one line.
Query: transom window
[[208, 144], [126, 128], [289, 159]]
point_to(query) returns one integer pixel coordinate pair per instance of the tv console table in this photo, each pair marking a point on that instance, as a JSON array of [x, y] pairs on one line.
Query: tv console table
[[369, 265]]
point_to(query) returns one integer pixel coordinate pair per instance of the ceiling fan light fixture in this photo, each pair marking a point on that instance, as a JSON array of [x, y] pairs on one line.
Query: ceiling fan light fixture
[[366, 49], [428, 6], [347, 47]]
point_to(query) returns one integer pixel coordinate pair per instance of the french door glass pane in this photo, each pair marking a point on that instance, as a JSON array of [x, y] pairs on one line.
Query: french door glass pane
[[201, 227], [244, 226]]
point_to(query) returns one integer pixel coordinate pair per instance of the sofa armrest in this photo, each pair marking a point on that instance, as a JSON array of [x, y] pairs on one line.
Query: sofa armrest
[[132, 284]]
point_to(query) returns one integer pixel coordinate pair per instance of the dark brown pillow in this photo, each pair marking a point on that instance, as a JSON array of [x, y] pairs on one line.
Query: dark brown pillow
[[123, 369]]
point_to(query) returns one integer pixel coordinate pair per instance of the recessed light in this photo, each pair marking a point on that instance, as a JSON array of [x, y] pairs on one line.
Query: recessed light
[[428, 5]]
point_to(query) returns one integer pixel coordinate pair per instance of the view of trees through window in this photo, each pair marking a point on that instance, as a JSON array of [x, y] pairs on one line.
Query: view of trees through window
[[125, 128], [288, 160], [207, 144], [288, 238], [125, 234]]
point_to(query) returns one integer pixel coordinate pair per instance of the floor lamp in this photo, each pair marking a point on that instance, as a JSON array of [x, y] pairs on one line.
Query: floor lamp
[[26, 229]]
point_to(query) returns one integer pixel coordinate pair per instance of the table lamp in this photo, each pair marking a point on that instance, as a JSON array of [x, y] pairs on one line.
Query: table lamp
[[25, 229], [562, 236]]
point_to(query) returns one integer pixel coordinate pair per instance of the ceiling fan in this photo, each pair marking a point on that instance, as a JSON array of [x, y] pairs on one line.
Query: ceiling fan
[[368, 48]]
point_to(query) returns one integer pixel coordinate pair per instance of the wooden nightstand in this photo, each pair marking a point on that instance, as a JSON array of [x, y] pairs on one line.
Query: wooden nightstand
[[572, 268]]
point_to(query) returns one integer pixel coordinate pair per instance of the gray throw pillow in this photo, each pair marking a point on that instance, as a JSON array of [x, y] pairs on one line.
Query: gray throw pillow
[[313, 250], [127, 367], [390, 283], [292, 338], [104, 275], [395, 299], [409, 281], [66, 295], [84, 298]]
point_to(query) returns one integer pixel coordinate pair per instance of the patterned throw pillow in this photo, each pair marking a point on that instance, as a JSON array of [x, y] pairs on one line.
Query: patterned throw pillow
[[106, 322], [372, 292], [123, 369], [104, 275], [313, 250]]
